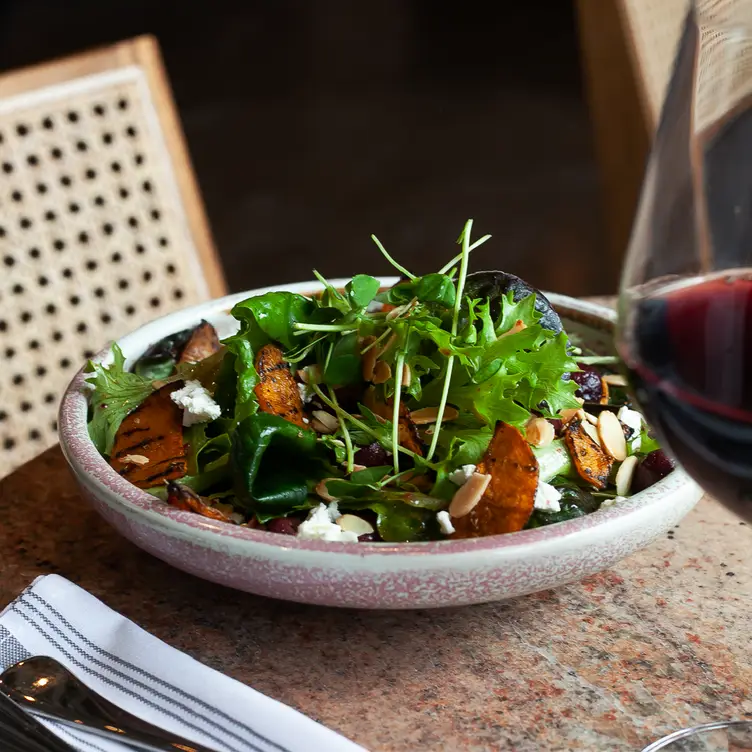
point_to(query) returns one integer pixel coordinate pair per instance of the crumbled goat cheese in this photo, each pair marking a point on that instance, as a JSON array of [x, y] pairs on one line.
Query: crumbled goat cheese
[[374, 307], [306, 393], [606, 503], [321, 525], [445, 522], [198, 405], [547, 498], [632, 419], [462, 474]]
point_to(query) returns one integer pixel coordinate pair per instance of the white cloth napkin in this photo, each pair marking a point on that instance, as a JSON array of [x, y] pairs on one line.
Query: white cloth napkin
[[148, 678]]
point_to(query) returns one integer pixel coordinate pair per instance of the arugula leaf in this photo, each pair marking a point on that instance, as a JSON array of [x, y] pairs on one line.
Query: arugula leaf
[[350, 494], [487, 334], [491, 401], [399, 523], [275, 463], [647, 442], [542, 372], [270, 318], [361, 290], [247, 379], [370, 475], [431, 289], [512, 312], [344, 364], [331, 297], [435, 288], [116, 393]]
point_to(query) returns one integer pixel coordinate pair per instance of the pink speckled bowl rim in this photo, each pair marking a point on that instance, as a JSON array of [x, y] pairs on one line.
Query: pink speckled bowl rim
[[86, 461]]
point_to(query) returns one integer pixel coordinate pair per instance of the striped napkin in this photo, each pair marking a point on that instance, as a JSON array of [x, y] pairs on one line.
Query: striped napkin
[[148, 678]]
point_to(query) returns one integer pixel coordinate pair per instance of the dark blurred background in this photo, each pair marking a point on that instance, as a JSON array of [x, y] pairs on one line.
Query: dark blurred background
[[313, 124]]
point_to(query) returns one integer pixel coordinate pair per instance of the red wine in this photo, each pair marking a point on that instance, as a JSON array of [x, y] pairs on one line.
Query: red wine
[[689, 356]]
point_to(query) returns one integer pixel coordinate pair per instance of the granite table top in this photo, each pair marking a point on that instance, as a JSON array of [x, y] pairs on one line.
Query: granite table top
[[660, 641]]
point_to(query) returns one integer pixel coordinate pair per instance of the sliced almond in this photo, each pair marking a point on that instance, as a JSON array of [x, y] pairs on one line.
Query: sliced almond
[[406, 375], [430, 415], [590, 418], [324, 422], [591, 431], [539, 432], [399, 310], [517, 327], [612, 435], [615, 379], [370, 357], [136, 459], [469, 494], [322, 491], [624, 475], [354, 524], [309, 374], [570, 414], [382, 372]]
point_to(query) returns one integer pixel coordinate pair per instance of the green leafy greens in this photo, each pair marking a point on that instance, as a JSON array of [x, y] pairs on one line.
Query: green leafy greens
[[472, 350]]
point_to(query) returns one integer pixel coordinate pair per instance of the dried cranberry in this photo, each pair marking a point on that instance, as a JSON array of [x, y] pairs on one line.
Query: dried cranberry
[[372, 455], [283, 525], [369, 538], [589, 382]]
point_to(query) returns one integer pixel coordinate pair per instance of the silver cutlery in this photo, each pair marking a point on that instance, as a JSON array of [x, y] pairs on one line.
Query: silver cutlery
[[47, 689], [21, 732]]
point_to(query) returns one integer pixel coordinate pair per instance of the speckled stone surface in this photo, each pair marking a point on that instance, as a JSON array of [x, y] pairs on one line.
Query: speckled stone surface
[[662, 640]]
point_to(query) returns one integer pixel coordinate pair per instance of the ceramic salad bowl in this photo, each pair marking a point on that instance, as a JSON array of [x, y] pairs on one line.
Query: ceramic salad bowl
[[376, 575]]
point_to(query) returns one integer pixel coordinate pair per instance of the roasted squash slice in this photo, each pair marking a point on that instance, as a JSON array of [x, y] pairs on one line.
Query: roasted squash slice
[[591, 462], [277, 392], [507, 503], [148, 447]]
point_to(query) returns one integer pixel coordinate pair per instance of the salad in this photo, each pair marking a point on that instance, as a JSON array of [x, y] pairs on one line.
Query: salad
[[450, 405]]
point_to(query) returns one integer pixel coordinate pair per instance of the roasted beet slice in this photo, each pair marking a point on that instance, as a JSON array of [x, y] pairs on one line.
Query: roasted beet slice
[[654, 467]]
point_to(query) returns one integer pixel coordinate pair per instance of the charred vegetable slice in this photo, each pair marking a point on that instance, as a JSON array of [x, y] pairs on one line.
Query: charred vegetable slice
[[591, 462], [277, 392], [182, 497], [508, 501], [154, 431], [202, 343]]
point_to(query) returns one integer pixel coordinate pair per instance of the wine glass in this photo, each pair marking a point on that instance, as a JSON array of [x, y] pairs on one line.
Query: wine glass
[[685, 309]]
